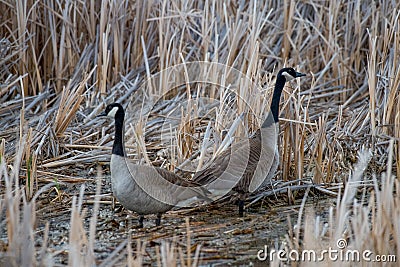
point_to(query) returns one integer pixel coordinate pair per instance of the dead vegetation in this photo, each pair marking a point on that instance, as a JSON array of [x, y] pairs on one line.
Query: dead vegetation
[[61, 61]]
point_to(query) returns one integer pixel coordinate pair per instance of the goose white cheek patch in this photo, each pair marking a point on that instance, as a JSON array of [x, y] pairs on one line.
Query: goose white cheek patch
[[112, 112], [288, 76]]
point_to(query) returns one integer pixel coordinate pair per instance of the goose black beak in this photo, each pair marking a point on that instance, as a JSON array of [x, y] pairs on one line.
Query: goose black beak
[[103, 114], [299, 74]]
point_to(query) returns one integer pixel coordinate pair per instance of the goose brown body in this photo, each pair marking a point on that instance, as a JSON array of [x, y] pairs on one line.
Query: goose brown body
[[259, 162]]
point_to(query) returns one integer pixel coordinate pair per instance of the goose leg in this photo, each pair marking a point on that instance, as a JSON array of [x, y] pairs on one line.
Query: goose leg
[[158, 220], [141, 218], [241, 207]]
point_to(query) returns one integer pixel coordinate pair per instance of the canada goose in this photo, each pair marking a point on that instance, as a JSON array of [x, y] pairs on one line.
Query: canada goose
[[145, 189], [249, 164]]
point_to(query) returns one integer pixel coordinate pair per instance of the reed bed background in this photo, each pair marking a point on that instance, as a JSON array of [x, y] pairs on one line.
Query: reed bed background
[[62, 61]]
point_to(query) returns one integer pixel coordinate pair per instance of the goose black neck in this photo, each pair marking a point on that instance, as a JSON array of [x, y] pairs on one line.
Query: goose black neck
[[118, 146], [280, 83]]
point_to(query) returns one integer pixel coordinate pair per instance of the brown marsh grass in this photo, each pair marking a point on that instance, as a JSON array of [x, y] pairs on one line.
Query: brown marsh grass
[[62, 60]]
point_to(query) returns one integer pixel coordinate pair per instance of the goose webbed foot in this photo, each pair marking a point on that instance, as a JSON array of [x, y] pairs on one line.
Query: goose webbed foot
[[158, 220], [141, 219], [241, 207]]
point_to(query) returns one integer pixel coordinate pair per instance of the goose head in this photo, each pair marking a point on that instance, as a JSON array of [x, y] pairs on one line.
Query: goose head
[[113, 110], [289, 74]]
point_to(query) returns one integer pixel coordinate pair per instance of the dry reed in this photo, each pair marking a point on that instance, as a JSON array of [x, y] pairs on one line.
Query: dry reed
[[62, 61]]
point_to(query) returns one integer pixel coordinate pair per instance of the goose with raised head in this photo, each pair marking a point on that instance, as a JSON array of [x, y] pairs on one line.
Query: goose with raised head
[[249, 164], [146, 189]]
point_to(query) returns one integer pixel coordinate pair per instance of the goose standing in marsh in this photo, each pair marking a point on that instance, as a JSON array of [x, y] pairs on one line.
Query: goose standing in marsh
[[145, 189], [250, 163]]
